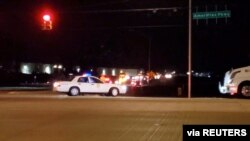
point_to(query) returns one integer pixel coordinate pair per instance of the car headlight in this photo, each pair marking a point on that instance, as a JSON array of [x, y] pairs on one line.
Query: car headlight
[[56, 84]]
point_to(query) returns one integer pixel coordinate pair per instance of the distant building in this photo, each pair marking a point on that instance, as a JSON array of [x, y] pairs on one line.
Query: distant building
[[117, 71], [29, 68]]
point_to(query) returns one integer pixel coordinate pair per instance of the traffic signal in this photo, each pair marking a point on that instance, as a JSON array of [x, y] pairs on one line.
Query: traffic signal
[[47, 22], [46, 17]]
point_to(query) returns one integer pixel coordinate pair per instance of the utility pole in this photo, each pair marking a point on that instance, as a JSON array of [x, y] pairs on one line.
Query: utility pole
[[189, 47], [149, 54]]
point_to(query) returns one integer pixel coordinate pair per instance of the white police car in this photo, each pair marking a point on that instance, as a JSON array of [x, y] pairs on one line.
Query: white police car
[[88, 84]]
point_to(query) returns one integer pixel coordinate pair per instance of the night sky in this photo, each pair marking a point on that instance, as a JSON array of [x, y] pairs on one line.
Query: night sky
[[111, 33]]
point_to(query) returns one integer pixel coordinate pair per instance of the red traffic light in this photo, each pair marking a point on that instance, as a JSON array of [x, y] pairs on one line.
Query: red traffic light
[[47, 22], [46, 17]]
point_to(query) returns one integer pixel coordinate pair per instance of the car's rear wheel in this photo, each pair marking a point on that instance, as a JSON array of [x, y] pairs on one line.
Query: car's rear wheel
[[245, 90], [114, 92], [74, 91]]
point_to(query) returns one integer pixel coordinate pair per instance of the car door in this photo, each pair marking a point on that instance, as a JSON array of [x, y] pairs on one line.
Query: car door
[[84, 85], [97, 86]]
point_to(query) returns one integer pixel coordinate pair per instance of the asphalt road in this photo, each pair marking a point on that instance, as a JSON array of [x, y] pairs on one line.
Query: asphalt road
[[49, 116]]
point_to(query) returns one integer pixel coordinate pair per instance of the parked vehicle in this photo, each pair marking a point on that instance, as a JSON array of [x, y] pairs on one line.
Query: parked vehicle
[[88, 84], [236, 81]]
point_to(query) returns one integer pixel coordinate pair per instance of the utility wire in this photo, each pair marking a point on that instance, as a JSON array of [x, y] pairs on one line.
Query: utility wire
[[175, 9]]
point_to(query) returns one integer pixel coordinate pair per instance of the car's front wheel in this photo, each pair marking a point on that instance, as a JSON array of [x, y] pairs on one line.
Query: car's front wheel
[[74, 91], [114, 92]]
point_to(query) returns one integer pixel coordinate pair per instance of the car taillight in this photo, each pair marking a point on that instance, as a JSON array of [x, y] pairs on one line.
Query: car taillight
[[233, 89]]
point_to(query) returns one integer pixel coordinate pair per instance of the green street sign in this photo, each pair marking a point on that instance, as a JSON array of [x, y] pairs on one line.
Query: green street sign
[[212, 15]]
